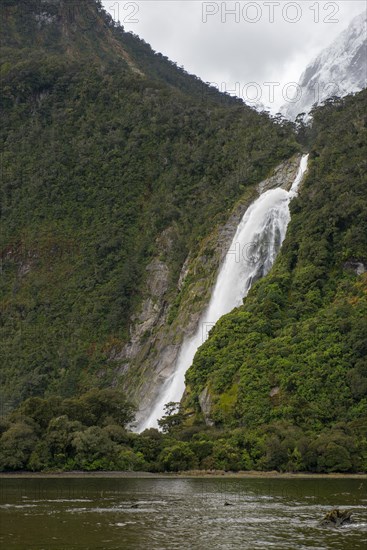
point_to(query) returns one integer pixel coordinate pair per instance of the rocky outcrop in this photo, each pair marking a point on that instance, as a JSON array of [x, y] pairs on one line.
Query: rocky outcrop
[[336, 518], [184, 273], [167, 316], [284, 175], [205, 405], [150, 318], [274, 391], [355, 266]]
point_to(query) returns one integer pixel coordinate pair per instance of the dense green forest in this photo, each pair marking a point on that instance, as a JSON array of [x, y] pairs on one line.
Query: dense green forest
[[101, 156], [293, 358], [286, 372], [105, 146]]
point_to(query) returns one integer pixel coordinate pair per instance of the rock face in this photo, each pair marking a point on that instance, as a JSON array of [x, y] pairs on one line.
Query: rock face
[[339, 70], [205, 405], [156, 332], [356, 267], [284, 175]]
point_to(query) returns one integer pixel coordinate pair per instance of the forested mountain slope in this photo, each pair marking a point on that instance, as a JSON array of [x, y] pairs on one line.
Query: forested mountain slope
[[109, 152], [118, 177], [295, 354]]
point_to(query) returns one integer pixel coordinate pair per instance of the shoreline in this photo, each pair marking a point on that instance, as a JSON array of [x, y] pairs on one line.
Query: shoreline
[[194, 474]]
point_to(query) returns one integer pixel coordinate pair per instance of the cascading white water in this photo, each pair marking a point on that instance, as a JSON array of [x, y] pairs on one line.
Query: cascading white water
[[251, 255]]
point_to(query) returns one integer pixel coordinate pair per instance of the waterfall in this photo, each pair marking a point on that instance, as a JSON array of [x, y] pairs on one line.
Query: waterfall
[[251, 255]]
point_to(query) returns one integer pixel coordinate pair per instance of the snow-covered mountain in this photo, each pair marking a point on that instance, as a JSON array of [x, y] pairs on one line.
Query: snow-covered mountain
[[339, 70]]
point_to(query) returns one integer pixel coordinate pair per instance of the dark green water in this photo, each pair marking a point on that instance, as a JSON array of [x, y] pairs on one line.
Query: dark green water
[[169, 514]]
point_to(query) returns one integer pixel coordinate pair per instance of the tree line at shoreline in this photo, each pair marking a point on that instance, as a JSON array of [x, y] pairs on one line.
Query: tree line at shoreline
[[90, 433]]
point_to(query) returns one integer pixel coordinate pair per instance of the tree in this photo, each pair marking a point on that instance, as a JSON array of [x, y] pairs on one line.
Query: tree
[[173, 417], [59, 439], [94, 449], [149, 444], [98, 407], [178, 457], [17, 444]]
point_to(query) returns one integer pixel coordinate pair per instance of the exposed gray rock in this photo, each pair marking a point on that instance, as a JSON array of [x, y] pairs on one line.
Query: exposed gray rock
[[158, 278], [149, 358], [205, 405], [45, 18], [274, 391], [150, 312], [184, 273], [284, 175], [356, 266]]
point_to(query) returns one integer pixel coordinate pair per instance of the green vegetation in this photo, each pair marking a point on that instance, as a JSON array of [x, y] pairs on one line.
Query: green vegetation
[[90, 433], [86, 433], [293, 357], [105, 147], [100, 157]]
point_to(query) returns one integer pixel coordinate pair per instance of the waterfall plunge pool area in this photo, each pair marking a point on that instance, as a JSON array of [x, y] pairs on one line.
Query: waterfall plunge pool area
[[174, 512]]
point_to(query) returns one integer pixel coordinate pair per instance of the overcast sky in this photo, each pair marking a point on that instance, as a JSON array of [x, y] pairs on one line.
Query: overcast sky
[[262, 41]]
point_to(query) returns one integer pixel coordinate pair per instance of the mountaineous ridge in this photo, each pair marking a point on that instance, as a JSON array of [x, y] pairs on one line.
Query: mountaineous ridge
[[123, 182], [338, 70], [117, 168]]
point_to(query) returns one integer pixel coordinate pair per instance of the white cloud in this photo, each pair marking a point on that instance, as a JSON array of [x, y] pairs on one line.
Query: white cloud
[[224, 50]]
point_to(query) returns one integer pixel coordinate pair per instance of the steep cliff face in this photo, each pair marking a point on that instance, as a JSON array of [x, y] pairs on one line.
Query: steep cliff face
[[339, 70], [115, 166], [157, 332], [294, 353]]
